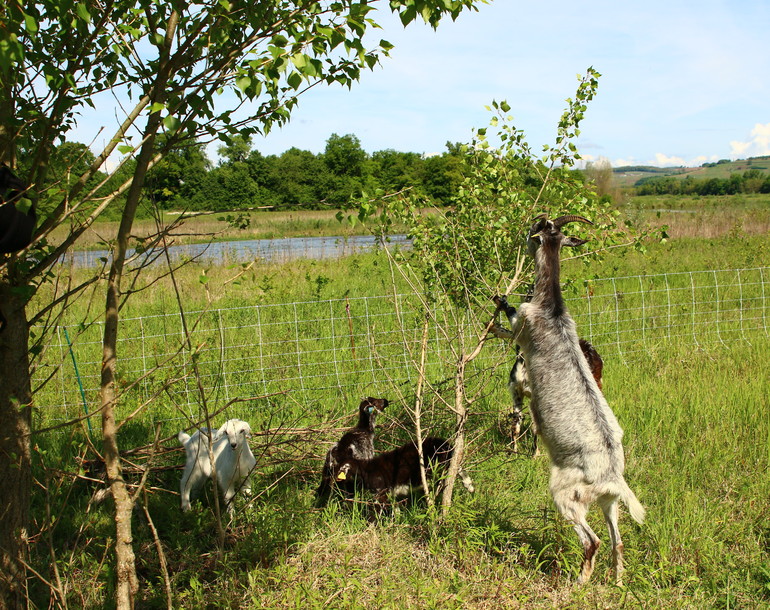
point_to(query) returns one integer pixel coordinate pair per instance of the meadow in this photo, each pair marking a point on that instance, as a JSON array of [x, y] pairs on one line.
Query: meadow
[[697, 437]]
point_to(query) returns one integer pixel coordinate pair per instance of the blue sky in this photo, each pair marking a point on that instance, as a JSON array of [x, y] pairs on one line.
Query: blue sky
[[683, 81]]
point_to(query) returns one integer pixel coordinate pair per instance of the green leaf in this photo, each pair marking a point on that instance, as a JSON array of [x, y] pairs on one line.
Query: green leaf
[[125, 148], [295, 80], [243, 83], [172, 123], [30, 24], [82, 12]]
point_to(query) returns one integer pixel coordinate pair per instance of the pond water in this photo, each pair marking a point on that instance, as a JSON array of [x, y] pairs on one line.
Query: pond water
[[234, 252]]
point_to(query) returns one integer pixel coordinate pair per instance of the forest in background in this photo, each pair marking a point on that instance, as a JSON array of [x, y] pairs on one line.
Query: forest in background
[[245, 179]]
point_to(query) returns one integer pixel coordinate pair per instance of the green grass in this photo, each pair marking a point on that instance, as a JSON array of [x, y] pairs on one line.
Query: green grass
[[697, 457], [697, 440]]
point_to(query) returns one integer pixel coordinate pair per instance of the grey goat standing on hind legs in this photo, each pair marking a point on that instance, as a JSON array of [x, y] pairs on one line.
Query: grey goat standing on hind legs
[[518, 381], [576, 425]]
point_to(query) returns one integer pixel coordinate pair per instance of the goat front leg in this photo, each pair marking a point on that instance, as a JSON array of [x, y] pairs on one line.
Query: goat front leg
[[515, 317], [502, 305]]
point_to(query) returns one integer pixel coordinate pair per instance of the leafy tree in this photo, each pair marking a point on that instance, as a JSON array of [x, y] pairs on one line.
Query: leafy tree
[[601, 174], [167, 62], [228, 187], [752, 180], [346, 162], [441, 176], [179, 174], [394, 171], [297, 179], [237, 150]]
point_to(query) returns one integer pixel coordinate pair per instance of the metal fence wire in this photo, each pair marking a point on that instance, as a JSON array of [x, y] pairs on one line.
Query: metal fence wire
[[359, 345]]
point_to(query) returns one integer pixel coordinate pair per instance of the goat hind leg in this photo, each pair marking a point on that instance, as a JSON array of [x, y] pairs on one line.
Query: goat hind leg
[[609, 505], [516, 416], [573, 505], [591, 544]]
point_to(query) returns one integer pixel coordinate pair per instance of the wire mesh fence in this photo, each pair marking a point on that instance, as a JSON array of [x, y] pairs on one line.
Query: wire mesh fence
[[328, 350]]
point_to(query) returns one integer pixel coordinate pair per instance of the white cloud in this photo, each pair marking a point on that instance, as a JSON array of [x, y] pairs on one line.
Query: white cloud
[[757, 146], [701, 159], [662, 160]]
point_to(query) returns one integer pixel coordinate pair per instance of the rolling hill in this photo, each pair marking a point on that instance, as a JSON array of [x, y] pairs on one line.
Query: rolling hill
[[629, 175]]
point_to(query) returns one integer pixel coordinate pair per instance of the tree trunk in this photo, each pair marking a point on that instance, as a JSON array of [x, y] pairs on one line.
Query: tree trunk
[[461, 415], [127, 584], [15, 455]]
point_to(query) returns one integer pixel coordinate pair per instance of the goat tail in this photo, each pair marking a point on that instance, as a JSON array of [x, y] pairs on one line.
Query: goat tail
[[183, 437], [635, 507]]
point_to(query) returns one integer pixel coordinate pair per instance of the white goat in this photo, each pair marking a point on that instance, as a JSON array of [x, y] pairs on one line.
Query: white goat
[[232, 460], [574, 421]]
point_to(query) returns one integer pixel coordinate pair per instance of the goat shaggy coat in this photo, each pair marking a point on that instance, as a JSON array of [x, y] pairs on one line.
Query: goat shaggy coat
[[574, 421], [232, 459], [518, 383]]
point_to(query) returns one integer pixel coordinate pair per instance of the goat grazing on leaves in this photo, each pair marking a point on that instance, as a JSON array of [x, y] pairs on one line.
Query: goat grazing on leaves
[[395, 473], [574, 421], [357, 443], [518, 380], [231, 456]]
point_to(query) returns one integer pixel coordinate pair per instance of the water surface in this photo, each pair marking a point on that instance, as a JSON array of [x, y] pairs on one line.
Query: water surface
[[234, 252]]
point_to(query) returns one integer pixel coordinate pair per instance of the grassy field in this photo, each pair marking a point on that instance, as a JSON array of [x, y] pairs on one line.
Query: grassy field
[[701, 217], [260, 225], [697, 440]]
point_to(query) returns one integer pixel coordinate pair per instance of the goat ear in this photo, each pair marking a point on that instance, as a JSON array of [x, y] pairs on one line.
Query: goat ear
[[573, 241]]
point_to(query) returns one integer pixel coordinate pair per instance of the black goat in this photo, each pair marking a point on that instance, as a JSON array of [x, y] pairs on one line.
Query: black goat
[[356, 443], [397, 472], [15, 227]]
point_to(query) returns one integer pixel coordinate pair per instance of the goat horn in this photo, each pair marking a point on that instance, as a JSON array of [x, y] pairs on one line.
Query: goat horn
[[563, 220]]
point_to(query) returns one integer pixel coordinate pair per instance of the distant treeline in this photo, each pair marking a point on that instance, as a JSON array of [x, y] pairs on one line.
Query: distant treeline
[[244, 178], [186, 179], [750, 181], [298, 179]]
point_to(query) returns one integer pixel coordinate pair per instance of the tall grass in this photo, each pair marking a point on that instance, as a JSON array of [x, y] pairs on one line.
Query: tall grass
[[703, 217], [259, 225]]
